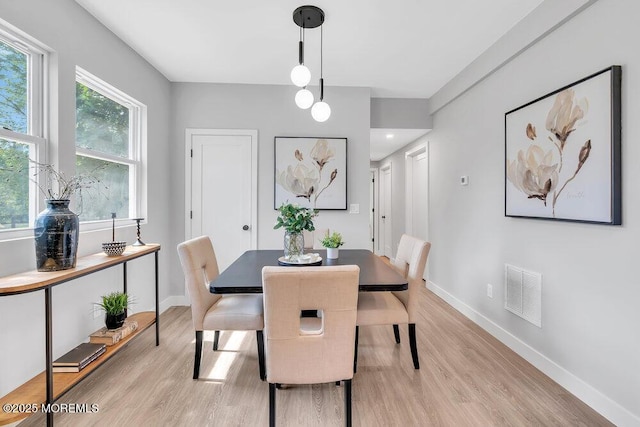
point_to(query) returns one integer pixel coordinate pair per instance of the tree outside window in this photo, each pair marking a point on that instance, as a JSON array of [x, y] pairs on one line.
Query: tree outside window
[[19, 136], [107, 141]]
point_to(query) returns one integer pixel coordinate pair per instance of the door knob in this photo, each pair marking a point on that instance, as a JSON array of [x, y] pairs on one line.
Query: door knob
[[245, 227]]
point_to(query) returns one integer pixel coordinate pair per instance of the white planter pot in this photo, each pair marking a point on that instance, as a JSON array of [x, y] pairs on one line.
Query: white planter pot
[[332, 253]]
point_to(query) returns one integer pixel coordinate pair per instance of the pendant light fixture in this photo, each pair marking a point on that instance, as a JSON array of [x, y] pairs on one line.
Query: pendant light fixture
[[321, 110], [309, 17], [300, 75]]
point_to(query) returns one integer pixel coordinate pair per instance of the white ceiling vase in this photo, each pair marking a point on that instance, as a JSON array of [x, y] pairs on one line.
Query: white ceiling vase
[[309, 17]]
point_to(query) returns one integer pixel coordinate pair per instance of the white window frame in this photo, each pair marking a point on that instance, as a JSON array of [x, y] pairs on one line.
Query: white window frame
[[36, 136], [137, 143]]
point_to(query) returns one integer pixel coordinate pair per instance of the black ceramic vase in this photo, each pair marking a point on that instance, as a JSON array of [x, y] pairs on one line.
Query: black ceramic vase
[[56, 235], [114, 321]]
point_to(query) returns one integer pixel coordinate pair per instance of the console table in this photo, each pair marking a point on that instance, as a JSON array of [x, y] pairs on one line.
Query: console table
[[47, 386]]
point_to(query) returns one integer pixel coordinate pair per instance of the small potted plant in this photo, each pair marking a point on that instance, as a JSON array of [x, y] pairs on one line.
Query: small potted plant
[[332, 242], [115, 307], [294, 219]]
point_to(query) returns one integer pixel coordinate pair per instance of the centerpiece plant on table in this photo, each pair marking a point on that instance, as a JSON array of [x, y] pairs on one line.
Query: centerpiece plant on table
[[294, 219], [332, 242]]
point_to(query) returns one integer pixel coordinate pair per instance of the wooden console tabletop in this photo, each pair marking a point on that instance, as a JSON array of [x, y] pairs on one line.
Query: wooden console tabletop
[[34, 280]]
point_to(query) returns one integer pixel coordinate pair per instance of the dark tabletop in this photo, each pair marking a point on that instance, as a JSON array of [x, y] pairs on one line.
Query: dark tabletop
[[245, 274]]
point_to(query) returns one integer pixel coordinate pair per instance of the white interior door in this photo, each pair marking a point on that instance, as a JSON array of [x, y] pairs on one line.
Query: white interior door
[[417, 197], [372, 209], [223, 190], [385, 212]]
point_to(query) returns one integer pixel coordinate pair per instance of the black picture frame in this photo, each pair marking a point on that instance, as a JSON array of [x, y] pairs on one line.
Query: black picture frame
[[563, 153]]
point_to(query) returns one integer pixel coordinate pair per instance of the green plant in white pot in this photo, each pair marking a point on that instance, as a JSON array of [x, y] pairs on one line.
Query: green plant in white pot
[[332, 242]]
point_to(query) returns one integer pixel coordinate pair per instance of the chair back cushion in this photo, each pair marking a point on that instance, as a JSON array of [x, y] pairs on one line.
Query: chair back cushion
[[200, 266], [310, 350], [411, 260]]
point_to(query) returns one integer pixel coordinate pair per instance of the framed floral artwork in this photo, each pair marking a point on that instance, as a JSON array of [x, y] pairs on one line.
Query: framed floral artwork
[[563, 153], [311, 172]]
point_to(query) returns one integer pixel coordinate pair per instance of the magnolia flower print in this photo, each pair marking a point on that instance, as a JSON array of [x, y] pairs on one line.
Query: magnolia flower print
[[535, 172], [304, 178], [564, 114], [300, 180], [531, 132], [322, 153]]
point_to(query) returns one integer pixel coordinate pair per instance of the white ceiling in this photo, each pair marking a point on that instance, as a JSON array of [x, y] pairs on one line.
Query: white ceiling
[[400, 48]]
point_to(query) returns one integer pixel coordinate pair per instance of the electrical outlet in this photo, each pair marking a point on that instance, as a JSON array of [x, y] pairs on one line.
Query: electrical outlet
[[489, 290], [97, 311]]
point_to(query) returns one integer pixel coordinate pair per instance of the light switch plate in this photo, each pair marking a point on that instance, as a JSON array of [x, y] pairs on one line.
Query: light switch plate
[[464, 180], [354, 208]]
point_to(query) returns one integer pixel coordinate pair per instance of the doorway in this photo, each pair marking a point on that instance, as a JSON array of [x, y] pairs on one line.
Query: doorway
[[373, 209], [385, 217], [417, 192], [221, 190]]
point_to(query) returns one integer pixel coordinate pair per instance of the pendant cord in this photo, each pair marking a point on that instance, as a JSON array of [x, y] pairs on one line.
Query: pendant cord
[[321, 61], [321, 50]]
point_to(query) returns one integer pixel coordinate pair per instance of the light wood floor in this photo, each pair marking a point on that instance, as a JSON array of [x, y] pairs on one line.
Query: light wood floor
[[467, 378]]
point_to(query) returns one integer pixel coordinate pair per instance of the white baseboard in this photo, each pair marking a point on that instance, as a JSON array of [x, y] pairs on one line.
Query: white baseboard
[[175, 300], [608, 408]]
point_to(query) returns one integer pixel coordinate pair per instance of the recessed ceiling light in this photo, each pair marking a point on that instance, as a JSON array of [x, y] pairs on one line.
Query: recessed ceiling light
[[389, 136]]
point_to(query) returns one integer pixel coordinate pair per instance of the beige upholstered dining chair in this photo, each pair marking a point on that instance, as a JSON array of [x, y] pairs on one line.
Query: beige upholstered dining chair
[[310, 350], [242, 312], [394, 308]]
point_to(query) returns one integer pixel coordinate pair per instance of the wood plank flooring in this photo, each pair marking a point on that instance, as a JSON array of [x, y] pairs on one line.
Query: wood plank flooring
[[467, 378]]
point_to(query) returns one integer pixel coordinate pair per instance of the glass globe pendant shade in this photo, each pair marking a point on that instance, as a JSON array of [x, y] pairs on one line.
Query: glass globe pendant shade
[[304, 98], [321, 111], [300, 75]]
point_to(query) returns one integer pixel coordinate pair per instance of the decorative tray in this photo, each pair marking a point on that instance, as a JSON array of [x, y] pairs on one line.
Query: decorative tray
[[303, 260]]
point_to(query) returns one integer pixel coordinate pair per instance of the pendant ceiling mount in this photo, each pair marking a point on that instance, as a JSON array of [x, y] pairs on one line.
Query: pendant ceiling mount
[[308, 16]]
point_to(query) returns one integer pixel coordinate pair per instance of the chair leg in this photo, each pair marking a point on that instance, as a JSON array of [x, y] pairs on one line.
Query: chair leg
[[216, 337], [260, 339], [272, 405], [396, 333], [196, 363], [355, 352], [347, 402], [413, 345]]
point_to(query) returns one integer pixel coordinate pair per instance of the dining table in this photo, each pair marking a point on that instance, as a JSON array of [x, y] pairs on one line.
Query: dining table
[[244, 275]]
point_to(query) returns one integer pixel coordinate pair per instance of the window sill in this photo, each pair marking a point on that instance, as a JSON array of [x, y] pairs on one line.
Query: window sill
[[8, 235]]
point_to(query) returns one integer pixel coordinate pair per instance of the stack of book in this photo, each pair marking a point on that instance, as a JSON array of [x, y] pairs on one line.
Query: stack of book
[[78, 358], [112, 336]]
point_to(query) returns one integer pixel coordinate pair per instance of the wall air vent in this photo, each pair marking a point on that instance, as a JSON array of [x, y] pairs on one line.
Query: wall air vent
[[523, 293]]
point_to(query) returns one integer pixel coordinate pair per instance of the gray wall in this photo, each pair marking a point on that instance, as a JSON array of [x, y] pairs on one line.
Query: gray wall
[[400, 113], [76, 38], [589, 340], [271, 110]]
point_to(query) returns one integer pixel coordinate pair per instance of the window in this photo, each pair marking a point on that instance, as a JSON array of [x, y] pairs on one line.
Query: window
[[108, 147], [21, 130]]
